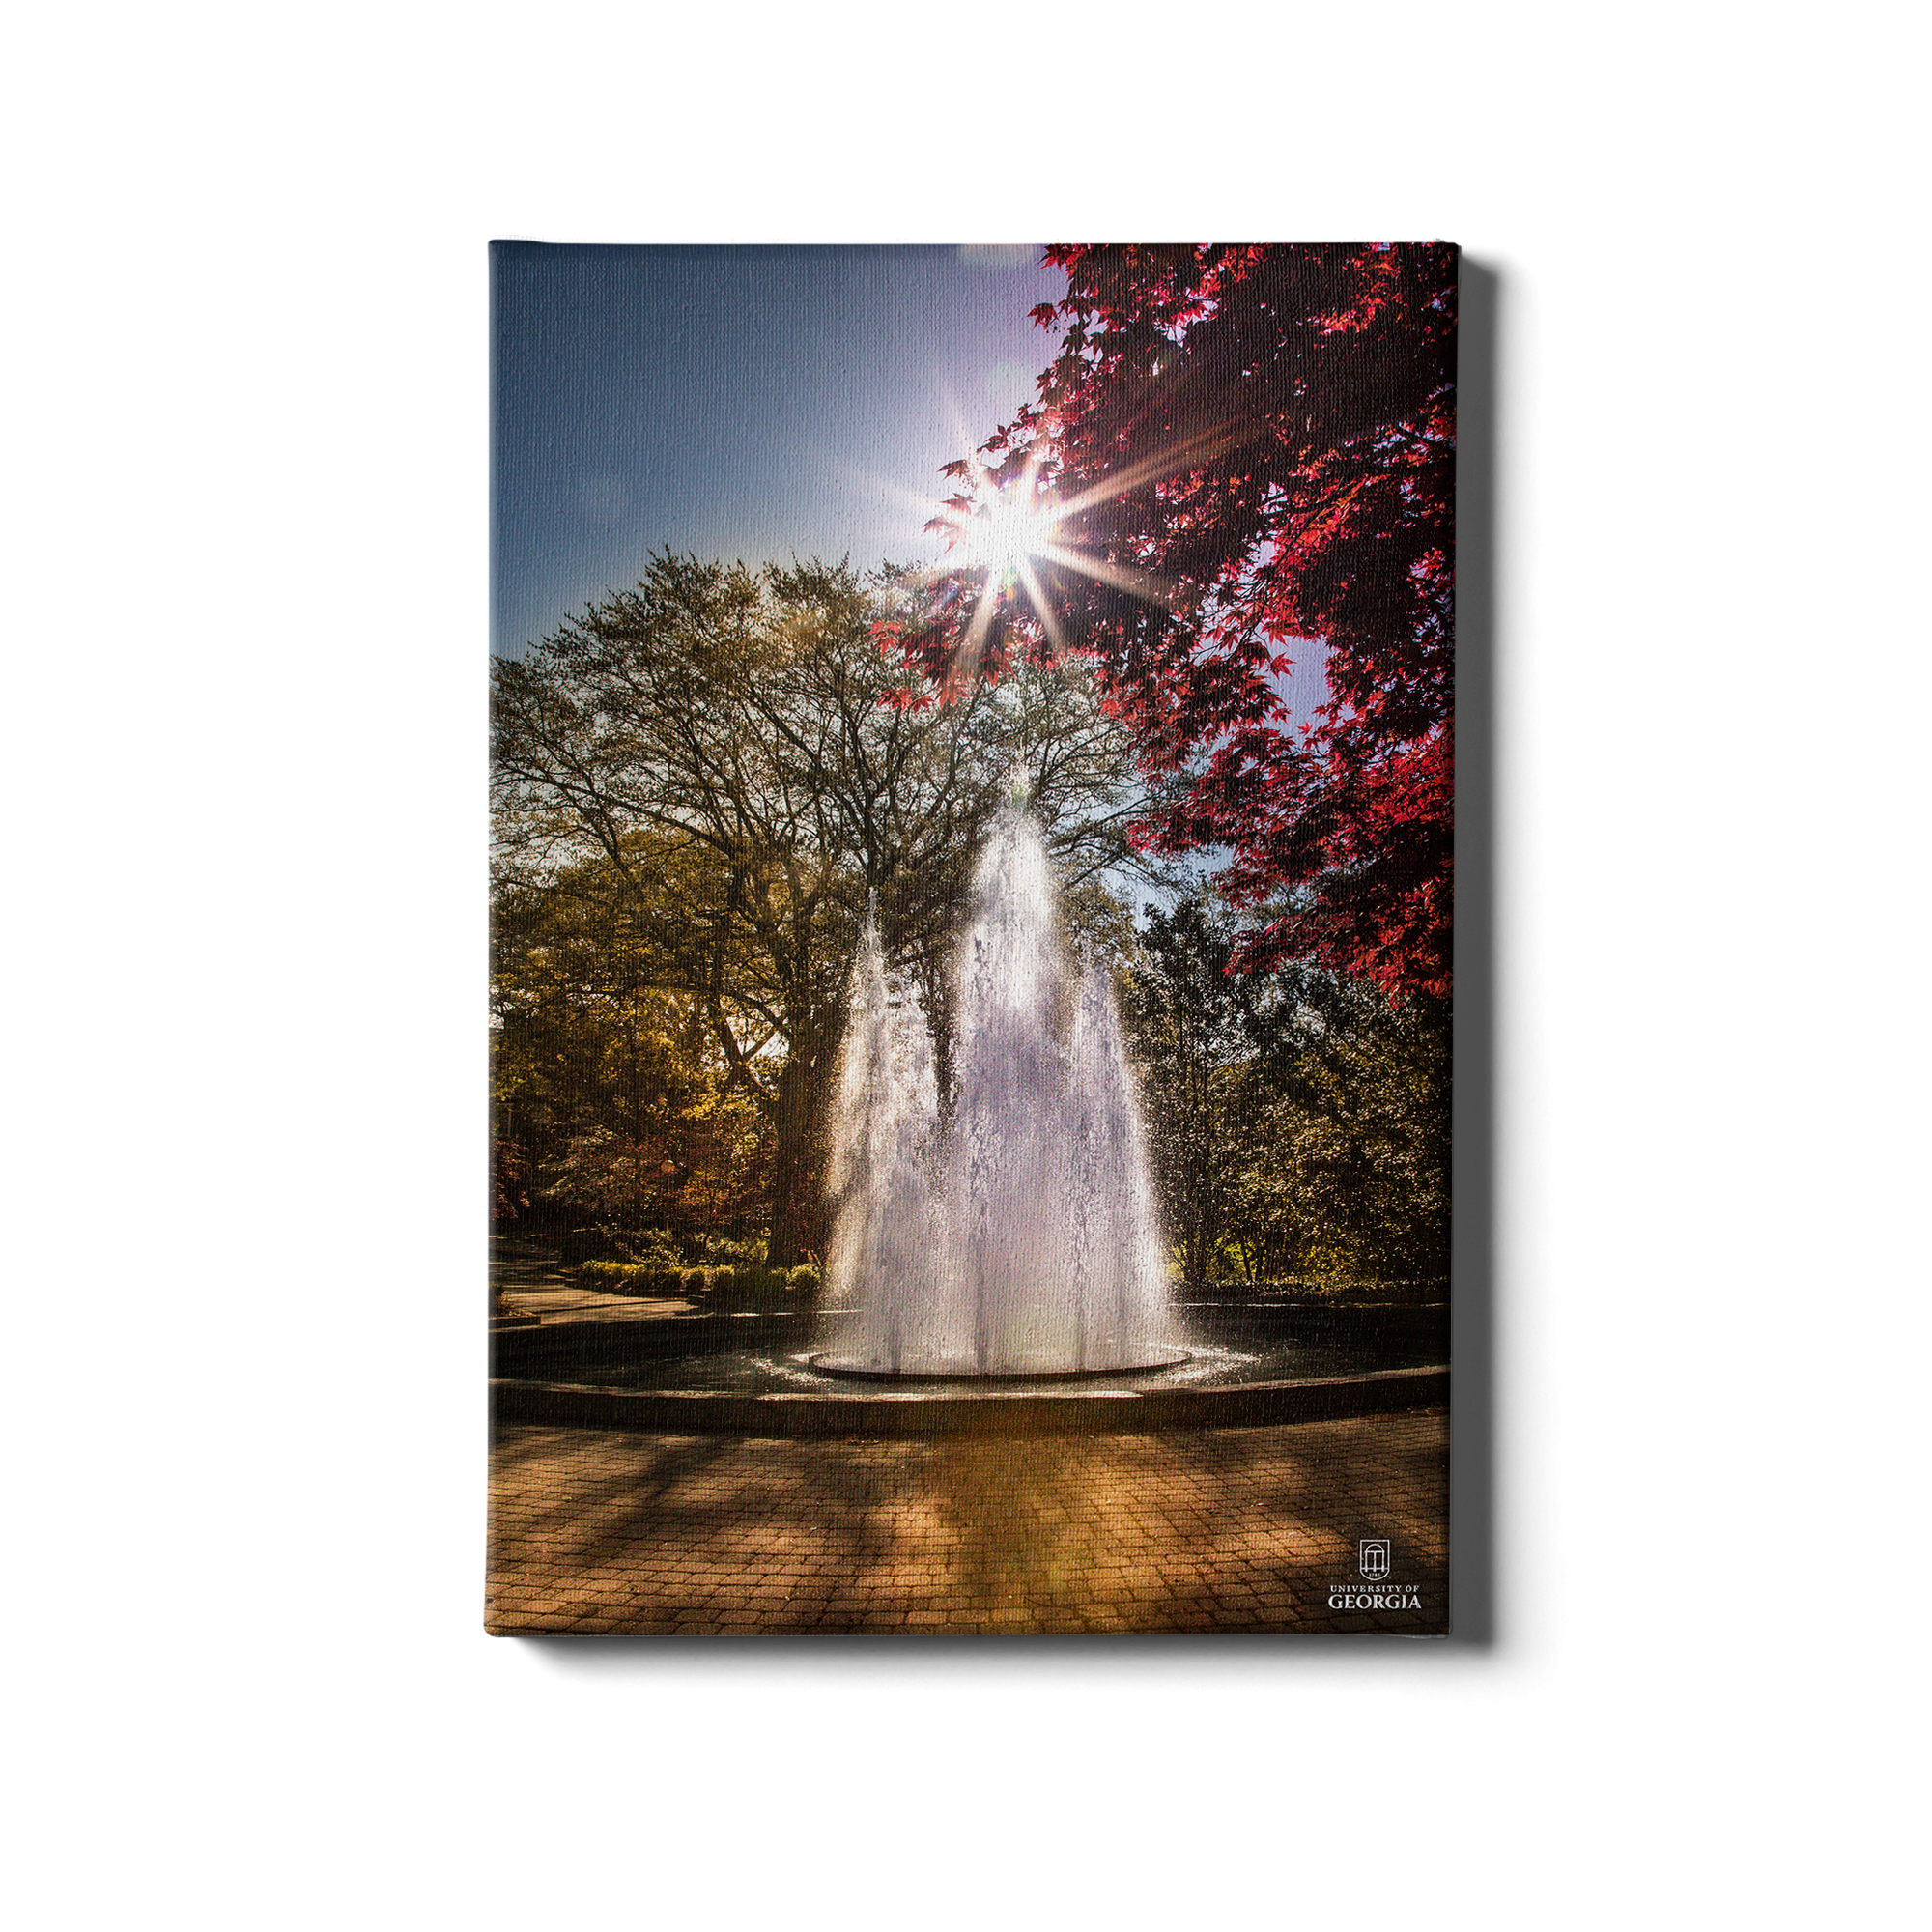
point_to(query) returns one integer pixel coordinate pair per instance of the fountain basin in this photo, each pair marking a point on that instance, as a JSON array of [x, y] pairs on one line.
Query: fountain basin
[[944, 1411], [759, 1374], [832, 1363]]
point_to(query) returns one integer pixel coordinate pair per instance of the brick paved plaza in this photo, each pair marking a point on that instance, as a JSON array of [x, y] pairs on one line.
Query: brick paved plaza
[[614, 1533]]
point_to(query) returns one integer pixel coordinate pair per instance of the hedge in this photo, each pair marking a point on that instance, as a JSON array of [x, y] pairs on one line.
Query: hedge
[[645, 1278], [1323, 1288]]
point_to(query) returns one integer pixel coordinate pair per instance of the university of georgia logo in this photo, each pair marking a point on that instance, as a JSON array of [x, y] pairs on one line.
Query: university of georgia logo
[[1375, 1555]]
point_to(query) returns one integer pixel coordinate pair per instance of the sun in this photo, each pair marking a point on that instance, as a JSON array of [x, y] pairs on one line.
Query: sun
[[1010, 530], [1007, 529]]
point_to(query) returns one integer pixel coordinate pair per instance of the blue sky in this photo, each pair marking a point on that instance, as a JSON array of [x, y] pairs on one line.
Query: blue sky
[[745, 401]]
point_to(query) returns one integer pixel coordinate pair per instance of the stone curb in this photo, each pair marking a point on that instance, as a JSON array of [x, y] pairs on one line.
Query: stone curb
[[524, 1354], [910, 1415], [546, 1352]]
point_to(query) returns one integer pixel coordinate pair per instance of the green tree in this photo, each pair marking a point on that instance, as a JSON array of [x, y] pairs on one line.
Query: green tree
[[1185, 1018], [746, 764], [609, 1087], [1353, 1169], [1298, 1120]]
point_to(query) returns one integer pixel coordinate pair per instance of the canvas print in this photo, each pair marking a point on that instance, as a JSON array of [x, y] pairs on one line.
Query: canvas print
[[971, 774]]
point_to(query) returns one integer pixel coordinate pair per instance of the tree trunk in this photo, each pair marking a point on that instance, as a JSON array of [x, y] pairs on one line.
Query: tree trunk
[[798, 1177], [935, 996]]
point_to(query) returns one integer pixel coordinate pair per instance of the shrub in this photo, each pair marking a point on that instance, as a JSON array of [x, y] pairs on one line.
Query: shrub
[[1327, 1288], [615, 1277], [584, 1245], [598, 1272], [648, 1247], [723, 1251], [653, 1250], [749, 1281]]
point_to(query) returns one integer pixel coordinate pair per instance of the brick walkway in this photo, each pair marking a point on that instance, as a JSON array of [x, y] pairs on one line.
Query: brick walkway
[[1247, 1529], [526, 1280]]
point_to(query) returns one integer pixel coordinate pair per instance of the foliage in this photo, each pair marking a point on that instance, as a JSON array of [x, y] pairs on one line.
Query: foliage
[[631, 1277], [751, 1251], [618, 1101], [1186, 1020], [651, 1247], [1344, 1288], [1297, 1121], [1258, 443], [509, 1172], [1349, 1174], [654, 1247], [745, 1281], [709, 1163]]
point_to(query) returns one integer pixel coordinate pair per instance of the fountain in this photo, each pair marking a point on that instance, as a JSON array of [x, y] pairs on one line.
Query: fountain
[[996, 1265], [1020, 1238]]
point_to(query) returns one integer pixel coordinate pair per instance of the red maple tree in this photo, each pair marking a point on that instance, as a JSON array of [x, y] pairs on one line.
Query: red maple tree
[[1238, 451]]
